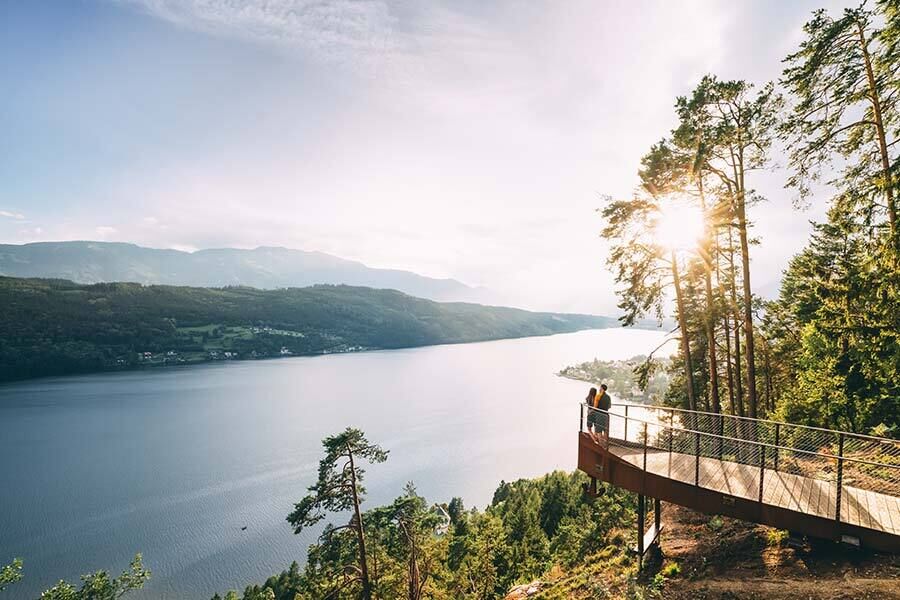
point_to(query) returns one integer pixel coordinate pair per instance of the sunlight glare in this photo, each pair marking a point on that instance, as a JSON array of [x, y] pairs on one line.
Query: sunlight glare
[[679, 226]]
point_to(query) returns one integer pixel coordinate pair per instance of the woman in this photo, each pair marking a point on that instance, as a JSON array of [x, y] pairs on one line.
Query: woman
[[591, 414]]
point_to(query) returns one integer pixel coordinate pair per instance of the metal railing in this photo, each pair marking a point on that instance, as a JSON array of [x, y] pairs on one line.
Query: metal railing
[[825, 472]]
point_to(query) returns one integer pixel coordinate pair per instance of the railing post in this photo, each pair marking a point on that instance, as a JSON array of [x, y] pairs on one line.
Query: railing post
[[762, 469], [777, 444], [721, 437], [840, 477], [581, 419], [696, 458], [671, 434], [671, 438], [625, 435], [645, 447]]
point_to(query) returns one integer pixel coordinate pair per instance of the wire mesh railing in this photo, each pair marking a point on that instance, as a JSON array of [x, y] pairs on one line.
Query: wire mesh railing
[[840, 475]]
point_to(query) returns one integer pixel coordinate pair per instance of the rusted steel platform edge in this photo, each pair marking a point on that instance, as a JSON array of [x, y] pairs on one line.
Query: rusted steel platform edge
[[623, 474]]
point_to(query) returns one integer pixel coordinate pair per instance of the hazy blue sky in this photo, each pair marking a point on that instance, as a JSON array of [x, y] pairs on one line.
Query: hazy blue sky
[[456, 139]]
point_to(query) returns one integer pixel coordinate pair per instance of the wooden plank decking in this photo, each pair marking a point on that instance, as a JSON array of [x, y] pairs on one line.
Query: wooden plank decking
[[807, 495]]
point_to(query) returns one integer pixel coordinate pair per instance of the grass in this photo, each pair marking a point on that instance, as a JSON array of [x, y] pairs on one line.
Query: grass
[[199, 328], [221, 341], [670, 569], [776, 538]]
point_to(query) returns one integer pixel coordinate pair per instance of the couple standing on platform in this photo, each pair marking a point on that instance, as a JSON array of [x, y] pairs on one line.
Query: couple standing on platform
[[598, 419], [599, 404]]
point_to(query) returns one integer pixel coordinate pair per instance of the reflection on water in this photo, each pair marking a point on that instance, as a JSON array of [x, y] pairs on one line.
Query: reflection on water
[[174, 462]]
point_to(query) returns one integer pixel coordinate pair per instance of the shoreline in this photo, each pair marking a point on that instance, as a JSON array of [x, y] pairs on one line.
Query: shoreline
[[207, 361]]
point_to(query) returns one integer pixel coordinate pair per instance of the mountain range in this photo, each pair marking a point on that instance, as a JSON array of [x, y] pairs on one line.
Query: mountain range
[[264, 268]]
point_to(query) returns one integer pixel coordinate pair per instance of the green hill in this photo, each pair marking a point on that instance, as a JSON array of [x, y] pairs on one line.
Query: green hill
[[52, 327]]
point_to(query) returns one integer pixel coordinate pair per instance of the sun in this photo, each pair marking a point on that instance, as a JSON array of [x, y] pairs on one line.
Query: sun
[[679, 226]]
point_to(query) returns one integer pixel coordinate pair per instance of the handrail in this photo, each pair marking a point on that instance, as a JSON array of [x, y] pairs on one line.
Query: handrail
[[725, 437], [755, 452], [891, 446], [746, 441], [738, 417]]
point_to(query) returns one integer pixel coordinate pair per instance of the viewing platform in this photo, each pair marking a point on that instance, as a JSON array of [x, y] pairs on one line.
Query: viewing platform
[[817, 482]]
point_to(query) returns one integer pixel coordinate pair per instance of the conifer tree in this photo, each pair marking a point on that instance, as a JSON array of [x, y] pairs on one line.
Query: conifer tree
[[736, 127], [844, 82], [339, 488], [644, 269]]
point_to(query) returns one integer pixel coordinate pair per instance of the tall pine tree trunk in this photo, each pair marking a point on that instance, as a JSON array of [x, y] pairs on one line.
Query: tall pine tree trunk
[[413, 587], [360, 536], [738, 367], [748, 295], [685, 343], [706, 251], [729, 370], [888, 180]]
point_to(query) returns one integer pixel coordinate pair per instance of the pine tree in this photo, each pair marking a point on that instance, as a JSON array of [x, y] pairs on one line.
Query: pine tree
[[843, 79], [737, 128], [645, 269], [339, 488]]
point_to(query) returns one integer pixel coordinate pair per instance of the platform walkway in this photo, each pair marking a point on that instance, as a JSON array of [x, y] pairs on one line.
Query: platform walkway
[[818, 482]]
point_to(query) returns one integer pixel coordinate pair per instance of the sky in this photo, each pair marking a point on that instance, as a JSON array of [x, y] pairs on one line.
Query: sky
[[463, 139]]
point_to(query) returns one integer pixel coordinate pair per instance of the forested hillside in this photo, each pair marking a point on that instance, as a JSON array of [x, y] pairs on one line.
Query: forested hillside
[[56, 327], [530, 527]]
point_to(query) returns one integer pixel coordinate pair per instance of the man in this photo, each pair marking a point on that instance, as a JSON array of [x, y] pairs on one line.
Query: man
[[603, 403]]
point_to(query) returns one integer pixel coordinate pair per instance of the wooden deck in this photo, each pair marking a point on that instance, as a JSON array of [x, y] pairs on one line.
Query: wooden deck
[[800, 497], [806, 495]]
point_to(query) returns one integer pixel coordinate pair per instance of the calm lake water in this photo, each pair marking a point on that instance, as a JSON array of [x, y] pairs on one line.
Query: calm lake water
[[173, 462]]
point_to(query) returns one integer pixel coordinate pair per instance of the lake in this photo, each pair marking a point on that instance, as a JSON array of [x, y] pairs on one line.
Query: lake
[[174, 462]]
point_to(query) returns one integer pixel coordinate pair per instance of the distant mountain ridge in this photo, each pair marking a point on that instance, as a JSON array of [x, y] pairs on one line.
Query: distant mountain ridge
[[264, 267]]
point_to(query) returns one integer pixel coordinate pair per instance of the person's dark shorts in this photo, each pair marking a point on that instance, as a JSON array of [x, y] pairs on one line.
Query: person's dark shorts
[[598, 420]]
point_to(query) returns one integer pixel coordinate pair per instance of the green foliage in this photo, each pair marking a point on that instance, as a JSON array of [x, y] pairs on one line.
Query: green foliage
[[530, 526], [776, 538], [716, 523], [670, 569], [406, 547], [339, 488], [836, 331], [843, 80], [339, 483], [53, 327], [285, 586], [100, 586], [455, 510], [10, 573]]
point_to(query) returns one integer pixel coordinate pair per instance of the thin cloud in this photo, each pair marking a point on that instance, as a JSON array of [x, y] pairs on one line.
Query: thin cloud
[[342, 30], [12, 215]]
